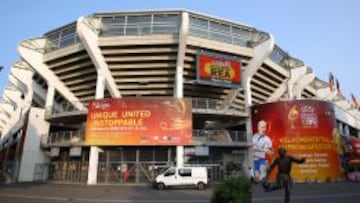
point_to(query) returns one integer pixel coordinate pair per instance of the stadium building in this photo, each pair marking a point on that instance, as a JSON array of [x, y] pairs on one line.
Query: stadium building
[[218, 68]]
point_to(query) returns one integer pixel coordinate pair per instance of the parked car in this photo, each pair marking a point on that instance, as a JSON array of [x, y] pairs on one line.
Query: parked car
[[182, 176]]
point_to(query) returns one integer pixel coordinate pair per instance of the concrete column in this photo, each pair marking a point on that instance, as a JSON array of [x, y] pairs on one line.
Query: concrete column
[[179, 85], [50, 97], [94, 151]]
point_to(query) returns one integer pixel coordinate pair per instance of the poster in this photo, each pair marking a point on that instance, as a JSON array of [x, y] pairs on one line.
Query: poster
[[139, 121], [306, 128]]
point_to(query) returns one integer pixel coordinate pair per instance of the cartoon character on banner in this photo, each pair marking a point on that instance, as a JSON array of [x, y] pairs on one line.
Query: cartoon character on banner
[[262, 146]]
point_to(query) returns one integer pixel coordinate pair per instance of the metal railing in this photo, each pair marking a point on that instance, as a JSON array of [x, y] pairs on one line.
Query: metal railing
[[63, 138], [219, 137], [200, 137], [198, 105], [64, 108]]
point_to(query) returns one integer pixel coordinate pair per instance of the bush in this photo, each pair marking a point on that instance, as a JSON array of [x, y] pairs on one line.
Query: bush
[[233, 190]]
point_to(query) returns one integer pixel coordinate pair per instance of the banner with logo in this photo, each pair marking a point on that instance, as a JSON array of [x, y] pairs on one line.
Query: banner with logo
[[218, 70], [306, 128], [139, 121]]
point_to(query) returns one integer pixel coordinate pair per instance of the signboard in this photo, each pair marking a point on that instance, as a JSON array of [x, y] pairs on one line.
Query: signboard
[[218, 70], [306, 128], [139, 121]]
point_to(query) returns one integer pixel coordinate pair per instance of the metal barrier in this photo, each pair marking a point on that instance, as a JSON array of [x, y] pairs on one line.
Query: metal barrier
[[130, 172], [124, 172], [65, 171]]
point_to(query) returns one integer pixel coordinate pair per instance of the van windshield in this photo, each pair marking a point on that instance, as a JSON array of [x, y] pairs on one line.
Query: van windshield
[[170, 172]]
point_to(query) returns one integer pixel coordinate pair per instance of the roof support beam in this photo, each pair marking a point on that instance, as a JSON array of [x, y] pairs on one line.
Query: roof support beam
[[30, 51], [261, 52], [89, 39]]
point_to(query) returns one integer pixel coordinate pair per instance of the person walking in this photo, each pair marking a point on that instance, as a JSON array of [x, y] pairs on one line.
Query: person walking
[[283, 178]]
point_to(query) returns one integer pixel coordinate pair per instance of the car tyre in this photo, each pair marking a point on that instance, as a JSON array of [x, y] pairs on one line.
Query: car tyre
[[160, 186], [201, 186]]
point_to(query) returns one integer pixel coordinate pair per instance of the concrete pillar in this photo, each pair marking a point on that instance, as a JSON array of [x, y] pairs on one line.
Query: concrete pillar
[[94, 151], [179, 85], [50, 98]]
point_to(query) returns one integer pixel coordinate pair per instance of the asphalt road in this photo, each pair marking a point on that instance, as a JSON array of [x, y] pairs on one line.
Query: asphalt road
[[59, 193]]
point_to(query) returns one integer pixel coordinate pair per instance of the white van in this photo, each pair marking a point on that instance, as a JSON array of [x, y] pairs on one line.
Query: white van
[[182, 176]]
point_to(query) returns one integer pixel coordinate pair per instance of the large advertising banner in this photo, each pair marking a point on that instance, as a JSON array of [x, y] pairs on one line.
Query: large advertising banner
[[306, 128], [218, 70], [355, 144], [139, 121]]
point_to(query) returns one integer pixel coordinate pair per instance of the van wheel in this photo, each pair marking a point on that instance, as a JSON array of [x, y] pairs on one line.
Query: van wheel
[[200, 186], [160, 186]]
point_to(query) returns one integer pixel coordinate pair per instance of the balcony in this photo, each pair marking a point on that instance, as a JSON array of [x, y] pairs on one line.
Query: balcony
[[200, 137], [220, 138], [63, 139], [199, 105]]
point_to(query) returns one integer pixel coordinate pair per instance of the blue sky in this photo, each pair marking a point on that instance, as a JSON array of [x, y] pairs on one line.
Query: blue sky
[[325, 34]]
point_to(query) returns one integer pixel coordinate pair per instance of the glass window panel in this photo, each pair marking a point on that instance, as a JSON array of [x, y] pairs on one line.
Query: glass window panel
[[111, 20], [139, 19], [68, 31], [66, 42], [220, 37], [240, 32], [112, 30], [198, 22], [219, 27], [138, 30], [239, 41], [166, 18], [165, 29], [198, 32]]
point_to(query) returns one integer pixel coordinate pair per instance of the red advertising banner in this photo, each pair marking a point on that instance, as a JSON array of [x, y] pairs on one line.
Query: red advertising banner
[[219, 71], [306, 128], [355, 144], [139, 121]]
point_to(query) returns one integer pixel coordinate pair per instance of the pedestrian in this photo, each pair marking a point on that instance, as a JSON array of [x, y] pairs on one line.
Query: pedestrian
[[283, 178]]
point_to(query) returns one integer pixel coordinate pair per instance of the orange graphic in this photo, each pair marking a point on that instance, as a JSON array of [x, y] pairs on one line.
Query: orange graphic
[[293, 115], [138, 121]]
